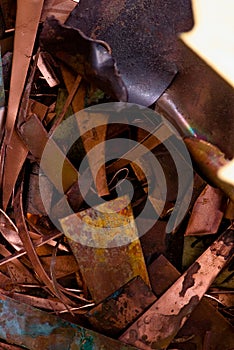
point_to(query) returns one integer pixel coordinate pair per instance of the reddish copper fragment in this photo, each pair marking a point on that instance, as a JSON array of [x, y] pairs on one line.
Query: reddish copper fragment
[[156, 328]]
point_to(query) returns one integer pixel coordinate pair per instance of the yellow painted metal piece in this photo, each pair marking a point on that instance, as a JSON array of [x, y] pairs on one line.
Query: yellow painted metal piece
[[105, 242]]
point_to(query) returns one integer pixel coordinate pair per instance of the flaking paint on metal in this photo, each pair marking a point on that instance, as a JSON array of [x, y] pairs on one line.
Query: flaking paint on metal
[[107, 236], [189, 280]]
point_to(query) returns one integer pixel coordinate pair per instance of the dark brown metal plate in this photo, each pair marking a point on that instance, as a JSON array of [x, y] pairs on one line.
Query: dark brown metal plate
[[140, 35], [92, 59], [120, 309], [200, 101]]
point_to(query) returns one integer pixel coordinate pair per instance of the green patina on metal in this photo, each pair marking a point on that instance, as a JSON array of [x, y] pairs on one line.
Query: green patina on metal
[[84, 342], [31, 328]]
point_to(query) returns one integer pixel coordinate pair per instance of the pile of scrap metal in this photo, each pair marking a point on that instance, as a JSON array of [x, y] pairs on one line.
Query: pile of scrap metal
[[83, 266]]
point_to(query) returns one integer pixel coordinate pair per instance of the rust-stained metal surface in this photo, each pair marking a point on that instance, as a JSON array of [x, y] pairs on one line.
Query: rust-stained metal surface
[[156, 328], [59, 9], [199, 101], [120, 309], [112, 50], [2, 92], [204, 318], [24, 39], [189, 100], [139, 35], [27, 242], [107, 236], [162, 275], [92, 59], [33, 329], [13, 162], [26, 131], [11, 159], [207, 212], [94, 137]]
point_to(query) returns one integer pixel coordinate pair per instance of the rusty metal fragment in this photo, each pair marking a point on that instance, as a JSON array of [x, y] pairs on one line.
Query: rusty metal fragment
[[141, 36], [29, 247], [151, 330], [2, 99], [207, 212], [5, 281], [120, 309], [92, 59], [9, 231], [12, 160], [162, 275], [65, 265], [34, 203], [16, 270], [31, 328], [57, 8], [4, 346], [37, 108], [107, 236], [90, 136], [46, 69], [63, 108], [78, 102], [199, 106], [26, 131], [2, 92], [204, 318], [25, 35], [130, 50], [52, 304], [38, 243]]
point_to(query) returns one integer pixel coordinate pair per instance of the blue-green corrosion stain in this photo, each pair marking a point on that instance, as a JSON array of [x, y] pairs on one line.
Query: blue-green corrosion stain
[[13, 322], [35, 330], [8, 321], [116, 294], [20, 323], [83, 341]]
